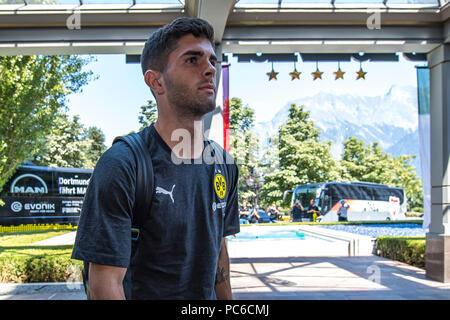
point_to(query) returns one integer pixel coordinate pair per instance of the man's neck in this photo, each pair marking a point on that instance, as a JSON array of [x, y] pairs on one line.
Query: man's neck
[[187, 132]]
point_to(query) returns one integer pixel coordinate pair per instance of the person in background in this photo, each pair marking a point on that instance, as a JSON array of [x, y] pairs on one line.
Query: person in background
[[342, 212], [309, 211], [297, 211], [243, 213], [273, 212], [254, 216]]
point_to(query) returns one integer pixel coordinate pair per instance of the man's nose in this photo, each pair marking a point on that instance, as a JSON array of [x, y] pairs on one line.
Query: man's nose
[[210, 70]]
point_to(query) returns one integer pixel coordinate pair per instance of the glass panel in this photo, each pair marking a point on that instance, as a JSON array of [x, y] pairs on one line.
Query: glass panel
[[170, 3], [159, 2], [11, 2], [108, 2], [359, 1], [300, 3], [413, 2], [257, 4], [244, 2]]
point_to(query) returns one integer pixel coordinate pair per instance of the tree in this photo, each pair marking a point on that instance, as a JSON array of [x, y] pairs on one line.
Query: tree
[[32, 91], [369, 163], [148, 114], [70, 144], [244, 147], [303, 158], [96, 146]]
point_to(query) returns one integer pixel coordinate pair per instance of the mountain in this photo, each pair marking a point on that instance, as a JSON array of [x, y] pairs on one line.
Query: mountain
[[390, 119]]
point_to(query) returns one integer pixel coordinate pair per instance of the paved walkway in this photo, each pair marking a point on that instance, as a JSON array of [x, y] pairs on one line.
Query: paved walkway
[[284, 277], [301, 278]]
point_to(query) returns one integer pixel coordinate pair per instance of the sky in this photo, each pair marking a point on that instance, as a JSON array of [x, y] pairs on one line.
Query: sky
[[113, 101]]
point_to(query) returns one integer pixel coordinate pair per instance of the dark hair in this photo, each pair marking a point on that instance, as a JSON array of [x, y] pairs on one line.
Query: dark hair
[[163, 41]]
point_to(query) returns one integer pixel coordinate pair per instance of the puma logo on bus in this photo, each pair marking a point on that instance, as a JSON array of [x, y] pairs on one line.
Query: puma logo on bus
[[163, 191]]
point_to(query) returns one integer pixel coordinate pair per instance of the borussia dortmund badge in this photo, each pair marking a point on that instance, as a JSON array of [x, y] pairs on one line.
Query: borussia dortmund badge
[[220, 185]]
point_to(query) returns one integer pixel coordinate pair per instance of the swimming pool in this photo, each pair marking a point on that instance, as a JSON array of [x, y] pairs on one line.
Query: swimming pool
[[270, 234], [282, 241]]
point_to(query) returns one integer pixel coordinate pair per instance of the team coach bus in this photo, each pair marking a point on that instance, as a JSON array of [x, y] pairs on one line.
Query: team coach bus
[[366, 201]]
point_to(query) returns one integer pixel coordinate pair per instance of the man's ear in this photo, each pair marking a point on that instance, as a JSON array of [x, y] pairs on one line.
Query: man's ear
[[153, 79]]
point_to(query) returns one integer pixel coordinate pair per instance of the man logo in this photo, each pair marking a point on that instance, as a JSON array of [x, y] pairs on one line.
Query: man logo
[[16, 206], [28, 183]]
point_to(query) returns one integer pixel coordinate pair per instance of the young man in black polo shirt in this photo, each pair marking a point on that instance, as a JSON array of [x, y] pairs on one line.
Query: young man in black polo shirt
[[181, 252]]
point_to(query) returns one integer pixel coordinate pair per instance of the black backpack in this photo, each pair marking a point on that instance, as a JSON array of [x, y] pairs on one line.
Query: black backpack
[[144, 192]]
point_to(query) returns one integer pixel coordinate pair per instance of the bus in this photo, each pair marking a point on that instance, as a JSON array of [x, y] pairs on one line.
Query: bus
[[367, 201], [44, 195]]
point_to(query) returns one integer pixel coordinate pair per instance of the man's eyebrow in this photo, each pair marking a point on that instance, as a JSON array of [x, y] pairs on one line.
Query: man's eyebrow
[[197, 53]]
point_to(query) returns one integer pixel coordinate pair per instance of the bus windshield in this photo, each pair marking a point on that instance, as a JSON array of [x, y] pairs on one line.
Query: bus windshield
[[305, 193]]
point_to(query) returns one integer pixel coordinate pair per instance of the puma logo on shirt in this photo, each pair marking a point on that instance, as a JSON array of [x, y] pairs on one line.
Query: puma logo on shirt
[[163, 191]]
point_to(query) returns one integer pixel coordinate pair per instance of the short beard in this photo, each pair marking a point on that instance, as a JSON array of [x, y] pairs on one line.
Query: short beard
[[186, 104]]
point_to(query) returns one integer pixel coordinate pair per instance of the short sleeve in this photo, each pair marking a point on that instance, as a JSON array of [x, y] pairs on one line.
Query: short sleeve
[[103, 233], [231, 223]]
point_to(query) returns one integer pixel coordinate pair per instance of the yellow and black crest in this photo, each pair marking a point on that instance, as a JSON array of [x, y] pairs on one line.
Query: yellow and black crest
[[220, 185]]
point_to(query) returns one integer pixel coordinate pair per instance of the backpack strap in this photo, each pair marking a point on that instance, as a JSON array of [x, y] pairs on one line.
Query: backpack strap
[[144, 181]]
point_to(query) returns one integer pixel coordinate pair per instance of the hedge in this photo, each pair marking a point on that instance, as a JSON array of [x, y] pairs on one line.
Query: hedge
[[36, 227], [40, 269], [410, 250]]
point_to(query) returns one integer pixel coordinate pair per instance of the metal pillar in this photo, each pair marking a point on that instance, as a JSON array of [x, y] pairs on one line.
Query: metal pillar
[[438, 237]]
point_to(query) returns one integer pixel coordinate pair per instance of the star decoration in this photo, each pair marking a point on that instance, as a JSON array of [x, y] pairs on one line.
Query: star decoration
[[295, 74], [272, 75], [317, 74], [360, 74], [339, 74]]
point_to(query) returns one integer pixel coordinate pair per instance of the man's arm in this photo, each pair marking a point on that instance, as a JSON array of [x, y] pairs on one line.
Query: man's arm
[[222, 284], [105, 282]]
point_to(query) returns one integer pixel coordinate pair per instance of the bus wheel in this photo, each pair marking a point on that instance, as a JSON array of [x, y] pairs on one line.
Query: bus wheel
[[388, 219]]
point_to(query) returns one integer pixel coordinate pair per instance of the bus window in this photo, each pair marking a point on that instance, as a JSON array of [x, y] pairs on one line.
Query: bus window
[[305, 194], [324, 202]]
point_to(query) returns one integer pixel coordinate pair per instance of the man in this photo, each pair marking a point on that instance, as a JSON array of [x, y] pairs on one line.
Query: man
[[297, 211], [254, 216], [273, 212], [309, 210], [342, 211], [243, 213], [181, 251]]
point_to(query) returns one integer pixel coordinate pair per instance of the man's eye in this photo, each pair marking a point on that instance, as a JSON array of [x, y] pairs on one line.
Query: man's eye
[[192, 60]]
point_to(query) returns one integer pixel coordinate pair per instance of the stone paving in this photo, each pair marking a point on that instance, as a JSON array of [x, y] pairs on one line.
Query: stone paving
[[331, 278], [298, 278]]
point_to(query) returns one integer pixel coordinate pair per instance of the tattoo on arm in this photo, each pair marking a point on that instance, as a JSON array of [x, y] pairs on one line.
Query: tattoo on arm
[[221, 275]]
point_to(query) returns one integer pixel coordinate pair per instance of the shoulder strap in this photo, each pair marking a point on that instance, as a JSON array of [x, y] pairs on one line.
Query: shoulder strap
[[144, 180]]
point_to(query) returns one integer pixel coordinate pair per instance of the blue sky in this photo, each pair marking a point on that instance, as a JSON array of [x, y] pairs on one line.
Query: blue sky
[[112, 102]]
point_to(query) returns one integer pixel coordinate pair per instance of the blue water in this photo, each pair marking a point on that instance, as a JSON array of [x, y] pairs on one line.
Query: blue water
[[270, 234], [379, 230]]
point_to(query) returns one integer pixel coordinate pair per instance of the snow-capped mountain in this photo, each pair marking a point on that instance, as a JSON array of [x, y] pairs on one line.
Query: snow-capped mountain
[[390, 119]]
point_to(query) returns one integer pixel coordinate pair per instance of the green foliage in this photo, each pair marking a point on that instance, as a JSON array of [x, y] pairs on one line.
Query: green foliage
[[33, 89], [369, 163], [20, 261], [70, 144], [39, 269], [302, 157], [410, 250], [244, 147], [148, 114]]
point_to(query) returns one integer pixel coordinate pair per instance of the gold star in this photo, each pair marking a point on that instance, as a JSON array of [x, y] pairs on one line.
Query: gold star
[[272, 75], [360, 74], [295, 74], [339, 74], [317, 74]]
